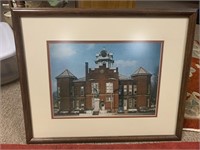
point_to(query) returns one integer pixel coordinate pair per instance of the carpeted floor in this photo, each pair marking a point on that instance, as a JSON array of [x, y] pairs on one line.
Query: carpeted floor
[[11, 117]]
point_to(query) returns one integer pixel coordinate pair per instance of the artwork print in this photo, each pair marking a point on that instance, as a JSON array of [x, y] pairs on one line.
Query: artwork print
[[104, 78]]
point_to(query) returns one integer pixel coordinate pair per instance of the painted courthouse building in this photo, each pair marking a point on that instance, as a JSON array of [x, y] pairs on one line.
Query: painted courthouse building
[[103, 88]]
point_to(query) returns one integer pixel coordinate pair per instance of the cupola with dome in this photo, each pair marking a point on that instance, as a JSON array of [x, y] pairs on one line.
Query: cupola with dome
[[104, 58]]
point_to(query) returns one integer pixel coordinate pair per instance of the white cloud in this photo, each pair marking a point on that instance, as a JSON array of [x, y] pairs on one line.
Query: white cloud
[[90, 46], [125, 63], [63, 52]]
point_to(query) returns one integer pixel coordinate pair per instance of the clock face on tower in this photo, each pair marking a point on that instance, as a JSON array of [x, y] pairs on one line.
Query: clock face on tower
[[103, 53], [101, 71]]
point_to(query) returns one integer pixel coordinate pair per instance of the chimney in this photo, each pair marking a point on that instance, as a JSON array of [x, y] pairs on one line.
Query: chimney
[[117, 69], [86, 70]]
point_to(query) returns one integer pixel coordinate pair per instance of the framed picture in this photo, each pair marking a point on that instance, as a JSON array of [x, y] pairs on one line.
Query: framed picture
[[103, 75], [114, 79]]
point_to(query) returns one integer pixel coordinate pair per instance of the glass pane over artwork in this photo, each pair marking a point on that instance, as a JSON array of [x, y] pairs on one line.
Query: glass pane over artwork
[[114, 79]]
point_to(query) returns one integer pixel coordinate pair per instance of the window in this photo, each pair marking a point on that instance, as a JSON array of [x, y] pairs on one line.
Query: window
[[58, 91], [82, 103], [134, 103], [95, 88], [77, 104], [108, 99], [82, 91], [125, 89], [120, 90], [134, 89], [125, 104], [130, 103], [109, 87], [130, 89]]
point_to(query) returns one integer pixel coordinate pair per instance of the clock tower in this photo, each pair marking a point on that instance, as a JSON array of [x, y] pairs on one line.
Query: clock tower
[[104, 58]]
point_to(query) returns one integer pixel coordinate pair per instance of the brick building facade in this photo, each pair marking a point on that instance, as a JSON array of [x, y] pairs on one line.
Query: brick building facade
[[103, 88]]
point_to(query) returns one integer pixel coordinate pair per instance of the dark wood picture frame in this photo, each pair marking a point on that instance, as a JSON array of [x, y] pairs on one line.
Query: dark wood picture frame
[[18, 14]]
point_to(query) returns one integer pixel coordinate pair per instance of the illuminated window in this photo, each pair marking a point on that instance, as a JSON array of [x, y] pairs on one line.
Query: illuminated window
[[130, 89], [82, 91], [109, 87], [125, 89], [125, 104]]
